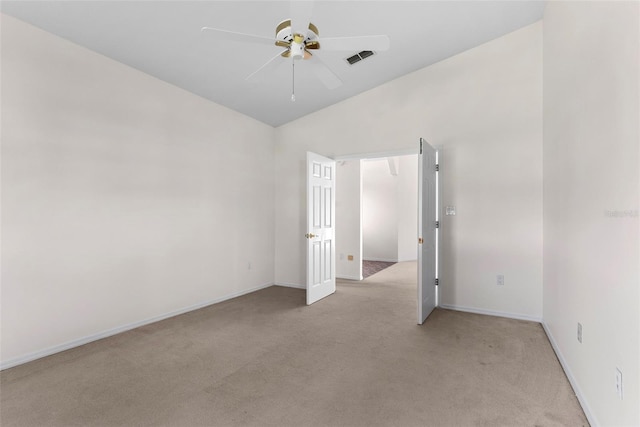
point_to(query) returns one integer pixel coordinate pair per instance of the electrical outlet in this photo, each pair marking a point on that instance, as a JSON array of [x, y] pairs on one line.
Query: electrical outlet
[[500, 280], [619, 383], [580, 332]]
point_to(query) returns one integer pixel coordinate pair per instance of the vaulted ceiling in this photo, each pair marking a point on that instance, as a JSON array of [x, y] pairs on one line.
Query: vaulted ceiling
[[163, 39]]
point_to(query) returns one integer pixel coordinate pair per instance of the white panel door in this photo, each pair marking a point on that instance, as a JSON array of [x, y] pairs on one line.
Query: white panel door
[[321, 245], [426, 231]]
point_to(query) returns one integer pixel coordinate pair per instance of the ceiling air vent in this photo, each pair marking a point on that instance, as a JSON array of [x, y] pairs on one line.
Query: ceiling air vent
[[359, 56]]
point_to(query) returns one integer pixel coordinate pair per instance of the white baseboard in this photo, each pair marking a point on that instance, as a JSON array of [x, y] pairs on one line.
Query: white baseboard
[[85, 340], [291, 285], [574, 384], [380, 259], [491, 312], [345, 277]]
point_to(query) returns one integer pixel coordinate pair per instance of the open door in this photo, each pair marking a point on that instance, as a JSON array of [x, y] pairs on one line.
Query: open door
[[321, 212], [427, 205]]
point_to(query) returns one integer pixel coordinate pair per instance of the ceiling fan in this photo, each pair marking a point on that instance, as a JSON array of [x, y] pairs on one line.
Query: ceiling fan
[[299, 38]]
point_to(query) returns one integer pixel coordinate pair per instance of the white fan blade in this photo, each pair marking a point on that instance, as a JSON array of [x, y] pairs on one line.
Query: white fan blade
[[300, 11], [270, 65], [355, 44], [237, 37], [326, 76]]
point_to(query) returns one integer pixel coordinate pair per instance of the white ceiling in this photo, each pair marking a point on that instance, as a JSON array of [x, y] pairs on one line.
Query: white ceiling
[[163, 39]]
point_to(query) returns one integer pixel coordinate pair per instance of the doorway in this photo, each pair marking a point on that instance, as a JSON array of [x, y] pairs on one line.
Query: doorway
[[351, 204], [376, 213]]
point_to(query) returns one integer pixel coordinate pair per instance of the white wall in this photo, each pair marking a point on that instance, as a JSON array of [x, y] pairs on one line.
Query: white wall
[[483, 108], [407, 201], [349, 220], [123, 198], [390, 209], [379, 211], [591, 200]]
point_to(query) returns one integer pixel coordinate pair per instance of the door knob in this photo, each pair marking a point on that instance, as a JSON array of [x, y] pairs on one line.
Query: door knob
[[310, 235]]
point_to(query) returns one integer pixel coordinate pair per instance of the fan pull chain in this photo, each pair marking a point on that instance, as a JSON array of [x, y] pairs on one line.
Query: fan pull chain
[[293, 81]]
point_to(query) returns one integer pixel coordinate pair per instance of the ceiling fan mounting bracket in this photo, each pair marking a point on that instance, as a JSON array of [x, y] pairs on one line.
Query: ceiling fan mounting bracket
[[297, 44], [284, 32]]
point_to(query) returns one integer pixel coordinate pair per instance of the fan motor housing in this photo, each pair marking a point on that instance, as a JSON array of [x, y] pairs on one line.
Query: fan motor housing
[[285, 36]]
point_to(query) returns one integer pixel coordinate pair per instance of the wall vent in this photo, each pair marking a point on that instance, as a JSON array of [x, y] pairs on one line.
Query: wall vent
[[359, 56]]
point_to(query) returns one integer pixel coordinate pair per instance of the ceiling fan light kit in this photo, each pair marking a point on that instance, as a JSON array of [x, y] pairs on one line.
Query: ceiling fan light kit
[[298, 36], [297, 45]]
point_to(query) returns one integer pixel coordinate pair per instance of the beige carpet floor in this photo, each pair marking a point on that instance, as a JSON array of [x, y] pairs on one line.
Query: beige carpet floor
[[356, 358]]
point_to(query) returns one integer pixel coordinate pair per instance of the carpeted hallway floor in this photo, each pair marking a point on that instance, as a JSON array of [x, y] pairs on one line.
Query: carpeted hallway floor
[[356, 358]]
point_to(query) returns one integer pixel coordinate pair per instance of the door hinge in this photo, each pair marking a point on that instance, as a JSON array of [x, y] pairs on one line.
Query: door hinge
[[436, 282], [437, 224], [420, 145], [437, 167]]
